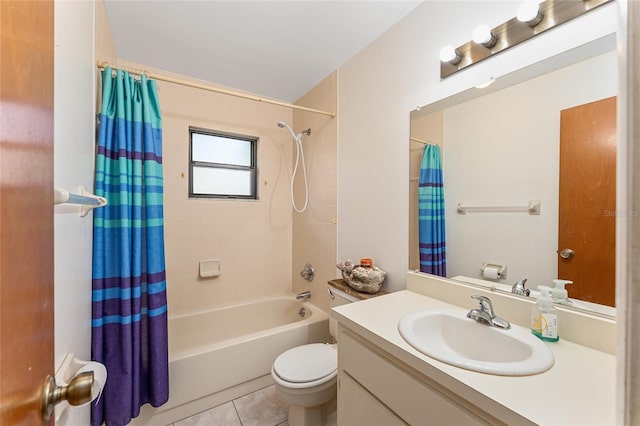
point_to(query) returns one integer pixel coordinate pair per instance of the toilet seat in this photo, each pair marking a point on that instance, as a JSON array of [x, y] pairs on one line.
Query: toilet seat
[[306, 365]]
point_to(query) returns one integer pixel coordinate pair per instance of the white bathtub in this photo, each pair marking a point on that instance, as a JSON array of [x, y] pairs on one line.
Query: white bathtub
[[218, 355]]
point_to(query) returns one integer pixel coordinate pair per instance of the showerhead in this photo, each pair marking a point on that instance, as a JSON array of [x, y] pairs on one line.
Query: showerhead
[[284, 125]]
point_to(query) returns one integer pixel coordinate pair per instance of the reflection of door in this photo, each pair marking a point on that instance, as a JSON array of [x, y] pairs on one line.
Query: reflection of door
[[587, 213], [26, 207]]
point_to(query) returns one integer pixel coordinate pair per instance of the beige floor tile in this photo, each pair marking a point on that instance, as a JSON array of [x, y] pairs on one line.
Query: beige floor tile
[[222, 415], [262, 408]]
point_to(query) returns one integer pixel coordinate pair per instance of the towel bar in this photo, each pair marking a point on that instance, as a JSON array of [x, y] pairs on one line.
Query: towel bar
[[533, 208]]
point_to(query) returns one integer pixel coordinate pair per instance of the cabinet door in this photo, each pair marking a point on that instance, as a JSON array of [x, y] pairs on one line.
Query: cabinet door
[[356, 407], [413, 400]]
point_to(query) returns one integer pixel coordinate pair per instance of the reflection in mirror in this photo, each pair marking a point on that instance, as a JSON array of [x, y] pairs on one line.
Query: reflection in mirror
[[506, 148]]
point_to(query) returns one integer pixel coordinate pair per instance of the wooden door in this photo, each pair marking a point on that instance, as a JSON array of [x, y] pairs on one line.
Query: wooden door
[[587, 215], [26, 207]]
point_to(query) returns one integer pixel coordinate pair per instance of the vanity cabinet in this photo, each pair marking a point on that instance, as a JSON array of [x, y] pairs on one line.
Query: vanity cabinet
[[374, 388], [381, 376], [362, 408]]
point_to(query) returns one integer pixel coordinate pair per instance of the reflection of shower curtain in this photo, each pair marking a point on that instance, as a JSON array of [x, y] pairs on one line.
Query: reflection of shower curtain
[[129, 325], [433, 258]]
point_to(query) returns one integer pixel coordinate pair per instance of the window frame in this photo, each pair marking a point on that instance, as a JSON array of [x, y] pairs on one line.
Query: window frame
[[252, 168]]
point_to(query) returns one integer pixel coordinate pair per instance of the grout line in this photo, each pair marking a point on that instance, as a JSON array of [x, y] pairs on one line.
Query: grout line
[[236, 409]]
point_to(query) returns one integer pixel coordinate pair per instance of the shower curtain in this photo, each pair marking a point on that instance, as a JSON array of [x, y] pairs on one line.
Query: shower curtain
[[433, 256], [129, 323]]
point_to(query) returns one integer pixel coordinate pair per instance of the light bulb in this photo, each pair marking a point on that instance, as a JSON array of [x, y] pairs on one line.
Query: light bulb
[[484, 36], [451, 55], [529, 12]]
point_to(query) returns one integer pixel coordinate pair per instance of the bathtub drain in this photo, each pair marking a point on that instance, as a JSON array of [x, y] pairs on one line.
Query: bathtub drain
[[302, 312]]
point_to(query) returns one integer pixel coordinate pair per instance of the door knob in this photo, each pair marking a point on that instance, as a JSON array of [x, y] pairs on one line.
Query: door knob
[[77, 392], [567, 253]]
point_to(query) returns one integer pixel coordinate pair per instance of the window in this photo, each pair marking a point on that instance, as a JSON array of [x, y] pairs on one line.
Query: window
[[221, 165]]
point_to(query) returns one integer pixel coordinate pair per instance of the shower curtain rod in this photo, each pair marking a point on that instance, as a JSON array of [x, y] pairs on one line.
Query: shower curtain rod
[[421, 141], [103, 65]]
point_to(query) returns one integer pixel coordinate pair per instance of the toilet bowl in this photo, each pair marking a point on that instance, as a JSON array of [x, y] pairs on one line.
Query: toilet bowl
[[306, 377]]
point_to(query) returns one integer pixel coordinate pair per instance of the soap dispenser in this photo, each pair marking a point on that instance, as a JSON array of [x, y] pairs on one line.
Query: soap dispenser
[[544, 317], [559, 294]]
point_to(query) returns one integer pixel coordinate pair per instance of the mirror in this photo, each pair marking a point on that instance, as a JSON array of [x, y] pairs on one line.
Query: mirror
[[501, 147]]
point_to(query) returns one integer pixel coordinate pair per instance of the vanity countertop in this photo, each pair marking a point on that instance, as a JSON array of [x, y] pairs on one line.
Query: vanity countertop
[[578, 390]]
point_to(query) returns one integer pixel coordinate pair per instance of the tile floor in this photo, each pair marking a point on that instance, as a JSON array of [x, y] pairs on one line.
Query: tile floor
[[261, 408]]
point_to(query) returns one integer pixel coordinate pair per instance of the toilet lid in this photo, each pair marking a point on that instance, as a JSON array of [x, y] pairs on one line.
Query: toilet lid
[[306, 363]]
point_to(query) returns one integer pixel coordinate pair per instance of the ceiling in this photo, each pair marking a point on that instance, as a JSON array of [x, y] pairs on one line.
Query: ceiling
[[275, 49]]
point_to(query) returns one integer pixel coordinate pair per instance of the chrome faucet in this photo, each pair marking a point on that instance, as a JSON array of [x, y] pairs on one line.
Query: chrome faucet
[[484, 314], [518, 288], [305, 295]]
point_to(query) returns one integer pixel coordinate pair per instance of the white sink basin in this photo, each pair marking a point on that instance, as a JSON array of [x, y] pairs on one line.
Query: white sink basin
[[449, 336]]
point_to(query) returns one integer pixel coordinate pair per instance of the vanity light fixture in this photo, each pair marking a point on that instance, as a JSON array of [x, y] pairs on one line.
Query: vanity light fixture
[[484, 36], [450, 55], [533, 18], [529, 12]]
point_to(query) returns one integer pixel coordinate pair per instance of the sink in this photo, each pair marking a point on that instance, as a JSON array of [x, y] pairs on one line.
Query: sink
[[449, 336]]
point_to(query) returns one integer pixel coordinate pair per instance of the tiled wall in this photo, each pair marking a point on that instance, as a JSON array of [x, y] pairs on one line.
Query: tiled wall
[[251, 238], [314, 230], [260, 244]]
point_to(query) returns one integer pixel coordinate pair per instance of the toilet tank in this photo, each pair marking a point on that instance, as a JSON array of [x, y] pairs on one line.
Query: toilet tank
[[337, 298]]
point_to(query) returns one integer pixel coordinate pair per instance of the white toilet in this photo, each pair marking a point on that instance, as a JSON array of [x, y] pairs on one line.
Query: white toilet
[[306, 376]]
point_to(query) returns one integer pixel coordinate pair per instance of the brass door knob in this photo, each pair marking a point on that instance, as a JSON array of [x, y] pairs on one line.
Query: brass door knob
[[567, 253], [77, 392]]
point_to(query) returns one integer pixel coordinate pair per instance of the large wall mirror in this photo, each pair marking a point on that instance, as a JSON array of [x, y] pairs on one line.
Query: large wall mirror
[[544, 133]]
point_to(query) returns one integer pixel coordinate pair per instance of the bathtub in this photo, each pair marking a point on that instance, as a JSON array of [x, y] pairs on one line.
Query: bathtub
[[219, 355]]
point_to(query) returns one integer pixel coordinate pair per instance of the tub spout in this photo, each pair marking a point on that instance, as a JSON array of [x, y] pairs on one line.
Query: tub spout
[[305, 295]]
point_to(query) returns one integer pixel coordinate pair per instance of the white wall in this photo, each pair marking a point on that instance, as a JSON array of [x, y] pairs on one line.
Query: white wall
[[380, 86], [74, 118]]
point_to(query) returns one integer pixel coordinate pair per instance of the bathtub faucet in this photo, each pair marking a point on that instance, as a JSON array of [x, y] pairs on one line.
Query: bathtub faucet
[[305, 295]]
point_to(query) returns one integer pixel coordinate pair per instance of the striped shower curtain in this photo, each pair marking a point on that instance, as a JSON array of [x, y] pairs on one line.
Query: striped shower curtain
[[129, 324], [433, 256]]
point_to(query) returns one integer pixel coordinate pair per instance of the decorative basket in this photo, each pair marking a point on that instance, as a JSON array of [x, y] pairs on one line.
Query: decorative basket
[[367, 280]]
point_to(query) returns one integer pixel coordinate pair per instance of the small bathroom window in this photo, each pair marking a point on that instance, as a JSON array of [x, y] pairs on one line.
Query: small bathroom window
[[221, 165]]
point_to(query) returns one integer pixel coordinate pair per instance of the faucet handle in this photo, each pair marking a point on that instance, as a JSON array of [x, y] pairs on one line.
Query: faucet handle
[[519, 288], [307, 273], [485, 304], [486, 308], [485, 314]]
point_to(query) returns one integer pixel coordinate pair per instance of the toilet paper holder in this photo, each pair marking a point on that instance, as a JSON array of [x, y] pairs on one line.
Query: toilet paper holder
[[494, 271]]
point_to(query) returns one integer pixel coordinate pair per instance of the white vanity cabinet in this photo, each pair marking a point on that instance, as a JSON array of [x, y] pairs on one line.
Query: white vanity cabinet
[[375, 388], [362, 408], [382, 380]]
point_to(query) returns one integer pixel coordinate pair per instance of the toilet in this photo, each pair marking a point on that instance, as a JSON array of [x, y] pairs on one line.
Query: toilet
[[306, 376]]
